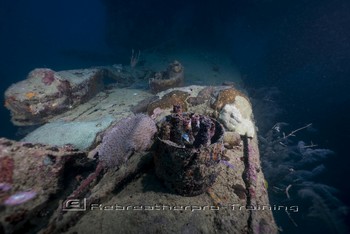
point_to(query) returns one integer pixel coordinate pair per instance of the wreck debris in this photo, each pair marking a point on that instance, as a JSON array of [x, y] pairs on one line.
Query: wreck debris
[[31, 175], [46, 93], [172, 77], [135, 181], [175, 97], [188, 152]]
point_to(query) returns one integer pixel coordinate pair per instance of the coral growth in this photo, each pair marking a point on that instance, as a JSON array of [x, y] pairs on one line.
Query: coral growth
[[129, 135], [233, 120], [205, 133], [4, 187], [64, 88], [225, 96], [188, 130], [45, 94], [175, 97], [6, 169], [30, 95], [324, 206], [47, 75], [33, 176], [203, 96]]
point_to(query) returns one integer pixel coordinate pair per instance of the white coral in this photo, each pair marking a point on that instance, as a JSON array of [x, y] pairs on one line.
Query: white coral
[[233, 120]]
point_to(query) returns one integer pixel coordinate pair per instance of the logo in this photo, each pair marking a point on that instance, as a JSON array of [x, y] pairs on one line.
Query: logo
[[74, 205]]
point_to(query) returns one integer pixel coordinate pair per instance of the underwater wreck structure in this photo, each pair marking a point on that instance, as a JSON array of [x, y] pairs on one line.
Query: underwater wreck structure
[[188, 152], [185, 159]]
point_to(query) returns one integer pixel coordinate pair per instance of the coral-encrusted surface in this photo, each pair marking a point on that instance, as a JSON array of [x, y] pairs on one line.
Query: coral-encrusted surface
[[82, 125], [33, 174], [145, 204], [46, 93], [176, 97], [123, 198]]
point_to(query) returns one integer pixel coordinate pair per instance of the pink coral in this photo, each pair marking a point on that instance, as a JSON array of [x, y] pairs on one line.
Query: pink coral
[[129, 135], [48, 77]]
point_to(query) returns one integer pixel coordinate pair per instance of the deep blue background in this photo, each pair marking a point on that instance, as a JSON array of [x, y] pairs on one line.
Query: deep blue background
[[302, 47], [36, 34]]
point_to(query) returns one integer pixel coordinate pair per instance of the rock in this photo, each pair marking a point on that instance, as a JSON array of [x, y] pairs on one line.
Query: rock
[[232, 139], [80, 134], [34, 174], [46, 93]]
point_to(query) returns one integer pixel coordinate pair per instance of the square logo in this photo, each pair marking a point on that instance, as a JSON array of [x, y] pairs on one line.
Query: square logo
[[74, 205]]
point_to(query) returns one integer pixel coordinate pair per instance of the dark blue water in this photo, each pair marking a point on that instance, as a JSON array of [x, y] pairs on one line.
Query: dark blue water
[[302, 47]]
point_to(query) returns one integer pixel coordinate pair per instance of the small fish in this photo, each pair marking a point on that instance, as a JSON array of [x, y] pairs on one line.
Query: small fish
[[185, 137], [19, 198], [266, 184], [227, 164], [217, 201]]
